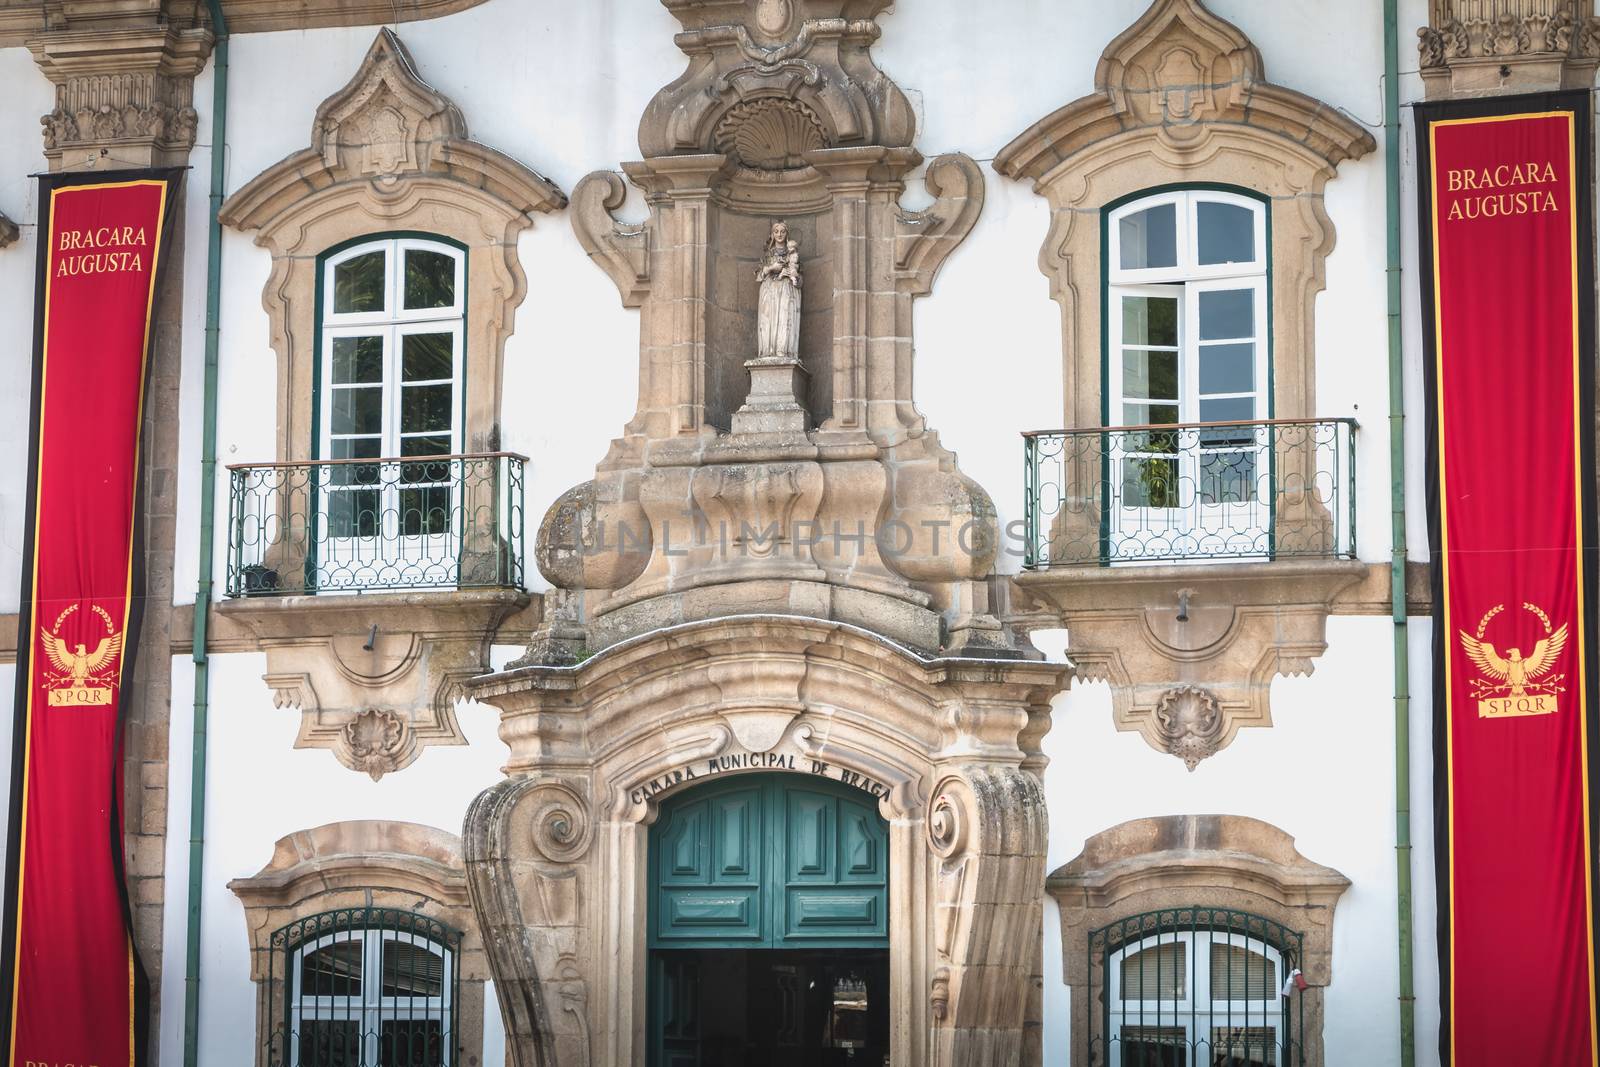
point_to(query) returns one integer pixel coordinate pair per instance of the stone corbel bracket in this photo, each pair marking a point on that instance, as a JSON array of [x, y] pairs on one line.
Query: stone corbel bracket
[[924, 239], [620, 249], [375, 708], [1189, 686]]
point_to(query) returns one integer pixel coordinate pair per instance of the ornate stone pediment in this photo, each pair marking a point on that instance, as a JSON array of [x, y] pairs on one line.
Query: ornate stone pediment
[[1190, 652], [375, 678], [1481, 47], [389, 152]]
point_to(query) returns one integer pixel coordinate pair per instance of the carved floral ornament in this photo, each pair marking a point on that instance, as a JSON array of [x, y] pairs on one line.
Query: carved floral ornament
[[1473, 47]]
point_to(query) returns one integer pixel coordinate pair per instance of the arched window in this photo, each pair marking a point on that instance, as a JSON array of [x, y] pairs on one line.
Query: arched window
[[391, 349], [1187, 343], [391, 388], [1181, 993], [367, 987]]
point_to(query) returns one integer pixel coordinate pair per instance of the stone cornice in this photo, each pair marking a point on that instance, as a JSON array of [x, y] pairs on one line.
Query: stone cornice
[[21, 19]]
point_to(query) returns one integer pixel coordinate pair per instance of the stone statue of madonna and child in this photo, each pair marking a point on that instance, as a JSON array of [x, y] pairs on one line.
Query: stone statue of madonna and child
[[778, 314]]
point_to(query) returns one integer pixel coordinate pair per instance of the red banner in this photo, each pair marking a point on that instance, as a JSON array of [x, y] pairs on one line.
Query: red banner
[[1508, 258], [74, 981]]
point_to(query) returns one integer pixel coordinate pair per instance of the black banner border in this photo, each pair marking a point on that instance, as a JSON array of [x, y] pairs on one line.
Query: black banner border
[[1578, 103], [48, 183]]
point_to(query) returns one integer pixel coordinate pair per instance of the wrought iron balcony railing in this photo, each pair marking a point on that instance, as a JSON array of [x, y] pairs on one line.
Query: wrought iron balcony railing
[[431, 522], [1209, 490]]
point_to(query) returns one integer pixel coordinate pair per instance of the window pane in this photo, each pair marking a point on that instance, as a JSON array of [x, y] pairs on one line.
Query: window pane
[[1227, 478], [1150, 482], [1239, 974], [1149, 414], [1153, 1046], [332, 970], [1227, 233], [1150, 375], [1149, 238], [358, 410], [1228, 368], [357, 359], [1243, 1046], [430, 279], [431, 445], [356, 448], [427, 357], [358, 284], [1228, 409], [1158, 972], [1226, 314], [424, 512], [1150, 320], [329, 1043], [412, 970], [425, 408], [411, 1043], [353, 513]]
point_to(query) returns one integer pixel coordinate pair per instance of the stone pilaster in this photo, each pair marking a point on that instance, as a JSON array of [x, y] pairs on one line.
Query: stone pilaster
[[124, 94]]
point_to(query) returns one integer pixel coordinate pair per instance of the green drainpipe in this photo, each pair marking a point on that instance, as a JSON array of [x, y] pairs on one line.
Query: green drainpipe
[[1397, 558], [208, 501]]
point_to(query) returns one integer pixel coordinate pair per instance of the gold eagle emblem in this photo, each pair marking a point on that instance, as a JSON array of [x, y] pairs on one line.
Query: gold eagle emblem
[[1514, 683], [81, 677]]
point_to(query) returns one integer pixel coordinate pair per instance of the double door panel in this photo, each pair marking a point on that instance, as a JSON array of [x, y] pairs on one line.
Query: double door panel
[[768, 864]]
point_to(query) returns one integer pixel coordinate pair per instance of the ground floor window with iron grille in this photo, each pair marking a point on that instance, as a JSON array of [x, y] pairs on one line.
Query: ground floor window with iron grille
[[367, 987], [1198, 988]]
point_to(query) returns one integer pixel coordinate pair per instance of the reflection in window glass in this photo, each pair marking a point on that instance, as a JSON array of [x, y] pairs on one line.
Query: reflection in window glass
[[430, 279], [1150, 238], [1227, 314], [1227, 233], [358, 284]]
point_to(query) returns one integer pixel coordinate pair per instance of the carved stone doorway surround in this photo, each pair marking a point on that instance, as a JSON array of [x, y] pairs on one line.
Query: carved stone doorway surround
[[557, 853]]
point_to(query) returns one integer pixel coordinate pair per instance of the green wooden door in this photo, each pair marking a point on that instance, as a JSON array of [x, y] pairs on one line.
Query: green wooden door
[[758, 862], [770, 862]]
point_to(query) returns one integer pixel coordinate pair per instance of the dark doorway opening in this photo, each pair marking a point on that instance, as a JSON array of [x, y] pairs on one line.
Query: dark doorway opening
[[778, 1007]]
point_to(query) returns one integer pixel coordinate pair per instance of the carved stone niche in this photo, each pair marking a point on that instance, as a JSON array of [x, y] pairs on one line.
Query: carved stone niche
[[1484, 47], [854, 511], [557, 854], [390, 153], [1190, 652], [356, 864], [1185, 864], [376, 677]]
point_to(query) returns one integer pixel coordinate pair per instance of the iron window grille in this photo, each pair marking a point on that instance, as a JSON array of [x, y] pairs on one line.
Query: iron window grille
[[1195, 987], [365, 987]]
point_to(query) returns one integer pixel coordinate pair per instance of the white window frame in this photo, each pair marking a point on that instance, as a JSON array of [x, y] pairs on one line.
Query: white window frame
[[1184, 282], [372, 1008], [1196, 1008], [392, 324]]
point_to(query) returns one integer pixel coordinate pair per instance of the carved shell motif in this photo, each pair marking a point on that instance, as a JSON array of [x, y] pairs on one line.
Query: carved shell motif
[[770, 134], [1190, 723]]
